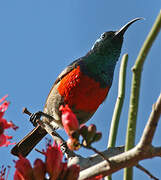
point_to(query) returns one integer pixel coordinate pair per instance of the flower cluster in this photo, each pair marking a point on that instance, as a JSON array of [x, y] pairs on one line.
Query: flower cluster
[[53, 167], [4, 124]]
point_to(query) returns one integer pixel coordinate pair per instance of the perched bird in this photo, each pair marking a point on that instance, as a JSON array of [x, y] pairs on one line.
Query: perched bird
[[83, 85]]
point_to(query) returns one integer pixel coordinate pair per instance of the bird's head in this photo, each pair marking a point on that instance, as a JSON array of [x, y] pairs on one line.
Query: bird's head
[[111, 39]]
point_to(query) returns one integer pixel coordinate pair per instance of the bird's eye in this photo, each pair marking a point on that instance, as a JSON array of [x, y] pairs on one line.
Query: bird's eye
[[103, 36]]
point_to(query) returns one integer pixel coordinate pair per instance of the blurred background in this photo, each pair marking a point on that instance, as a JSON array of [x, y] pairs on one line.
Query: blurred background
[[38, 39]]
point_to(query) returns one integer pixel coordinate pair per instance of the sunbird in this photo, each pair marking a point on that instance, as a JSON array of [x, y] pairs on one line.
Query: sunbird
[[83, 85]]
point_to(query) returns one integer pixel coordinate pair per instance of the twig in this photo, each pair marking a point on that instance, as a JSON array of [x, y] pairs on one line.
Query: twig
[[39, 151], [146, 172], [98, 152], [135, 89]]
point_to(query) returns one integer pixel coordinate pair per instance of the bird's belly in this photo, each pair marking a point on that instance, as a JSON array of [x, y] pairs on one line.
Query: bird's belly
[[82, 92]]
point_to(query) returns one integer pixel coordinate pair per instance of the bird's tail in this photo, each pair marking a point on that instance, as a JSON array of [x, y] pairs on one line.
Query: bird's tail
[[25, 146]]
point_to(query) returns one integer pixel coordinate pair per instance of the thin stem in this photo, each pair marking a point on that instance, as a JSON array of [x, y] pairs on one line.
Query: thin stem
[[118, 105], [119, 102], [135, 90], [96, 151], [146, 172]]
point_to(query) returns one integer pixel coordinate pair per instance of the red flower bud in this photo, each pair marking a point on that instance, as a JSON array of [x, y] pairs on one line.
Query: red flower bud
[[23, 169], [63, 170], [69, 120], [73, 172], [18, 176], [39, 170], [53, 161]]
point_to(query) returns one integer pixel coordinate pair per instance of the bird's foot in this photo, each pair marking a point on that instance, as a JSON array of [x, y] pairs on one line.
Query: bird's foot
[[63, 147], [36, 116]]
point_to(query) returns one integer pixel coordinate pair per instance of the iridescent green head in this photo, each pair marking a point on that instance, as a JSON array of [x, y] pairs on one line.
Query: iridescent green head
[[111, 40]]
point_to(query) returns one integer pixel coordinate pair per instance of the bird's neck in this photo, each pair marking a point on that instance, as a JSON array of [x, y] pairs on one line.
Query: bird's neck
[[101, 67]]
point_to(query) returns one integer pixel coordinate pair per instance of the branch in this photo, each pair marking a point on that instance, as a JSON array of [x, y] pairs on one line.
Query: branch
[[127, 159], [151, 125], [135, 89], [85, 163], [132, 157]]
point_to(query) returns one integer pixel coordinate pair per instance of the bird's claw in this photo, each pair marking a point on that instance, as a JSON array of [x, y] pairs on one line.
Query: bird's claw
[[35, 116], [63, 147]]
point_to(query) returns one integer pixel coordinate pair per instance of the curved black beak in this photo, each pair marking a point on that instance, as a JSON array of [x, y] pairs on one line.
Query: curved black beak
[[126, 26]]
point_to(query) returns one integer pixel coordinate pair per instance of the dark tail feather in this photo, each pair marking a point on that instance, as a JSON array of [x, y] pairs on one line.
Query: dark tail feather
[[25, 146]]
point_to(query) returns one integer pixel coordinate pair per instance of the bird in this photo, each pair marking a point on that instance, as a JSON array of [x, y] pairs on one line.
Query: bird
[[83, 85]]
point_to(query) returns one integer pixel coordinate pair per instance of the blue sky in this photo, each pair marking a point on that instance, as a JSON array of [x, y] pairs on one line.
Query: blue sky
[[39, 38]]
